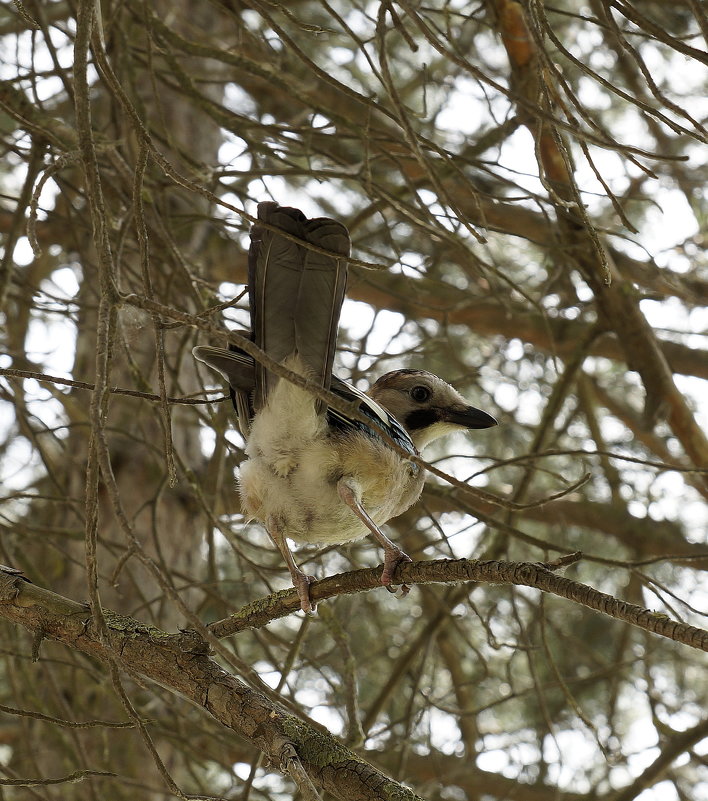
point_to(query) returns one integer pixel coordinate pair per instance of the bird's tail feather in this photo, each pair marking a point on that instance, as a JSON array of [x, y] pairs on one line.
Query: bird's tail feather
[[296, 293]]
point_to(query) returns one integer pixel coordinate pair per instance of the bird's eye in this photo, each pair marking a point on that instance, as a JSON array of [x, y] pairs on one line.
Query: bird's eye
[[420, 394]]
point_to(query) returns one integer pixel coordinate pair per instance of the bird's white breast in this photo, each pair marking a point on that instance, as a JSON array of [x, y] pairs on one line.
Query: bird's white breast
[[295, 461]]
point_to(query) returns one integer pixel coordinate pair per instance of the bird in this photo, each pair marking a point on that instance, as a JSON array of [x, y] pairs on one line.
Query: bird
[[314, 473]]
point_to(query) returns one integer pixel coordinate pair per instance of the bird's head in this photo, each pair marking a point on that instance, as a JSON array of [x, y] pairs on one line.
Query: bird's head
[[426, 406]]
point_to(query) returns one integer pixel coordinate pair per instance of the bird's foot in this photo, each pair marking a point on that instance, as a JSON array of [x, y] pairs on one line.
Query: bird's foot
[[392, 558], [302, 582], [400, 592]]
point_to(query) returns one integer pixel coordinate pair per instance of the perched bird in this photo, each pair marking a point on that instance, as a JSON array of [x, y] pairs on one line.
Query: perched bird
[[313, 473]]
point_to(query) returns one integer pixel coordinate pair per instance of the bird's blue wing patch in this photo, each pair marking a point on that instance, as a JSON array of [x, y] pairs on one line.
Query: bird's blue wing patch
[[381, 420]]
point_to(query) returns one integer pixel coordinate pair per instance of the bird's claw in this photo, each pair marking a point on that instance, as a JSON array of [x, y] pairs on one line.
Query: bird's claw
[[400, 591], [302, 583], [391, 561]]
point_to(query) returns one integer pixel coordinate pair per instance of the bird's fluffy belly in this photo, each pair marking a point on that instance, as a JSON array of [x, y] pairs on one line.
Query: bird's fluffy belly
[[292, 477]]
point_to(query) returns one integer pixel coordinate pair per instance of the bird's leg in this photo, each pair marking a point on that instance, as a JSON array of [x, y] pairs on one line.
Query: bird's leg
[[301, 581], [393, 555]]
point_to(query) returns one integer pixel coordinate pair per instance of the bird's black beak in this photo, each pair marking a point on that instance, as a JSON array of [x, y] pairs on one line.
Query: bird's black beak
[[469, 417]]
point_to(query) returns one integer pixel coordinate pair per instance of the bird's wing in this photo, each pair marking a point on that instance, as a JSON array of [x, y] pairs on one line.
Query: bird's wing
[[381, 420], [237, 368], [296, 294], [235, 365]]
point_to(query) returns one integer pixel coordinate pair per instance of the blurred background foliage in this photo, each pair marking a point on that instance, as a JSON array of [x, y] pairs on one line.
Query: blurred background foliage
[[526, 184]]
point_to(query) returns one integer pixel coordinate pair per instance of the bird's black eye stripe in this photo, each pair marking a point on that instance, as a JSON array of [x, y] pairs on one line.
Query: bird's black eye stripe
[[420, 394], [421, 419]]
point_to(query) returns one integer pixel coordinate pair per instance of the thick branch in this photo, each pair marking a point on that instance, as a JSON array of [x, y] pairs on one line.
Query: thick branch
[[179, 663]]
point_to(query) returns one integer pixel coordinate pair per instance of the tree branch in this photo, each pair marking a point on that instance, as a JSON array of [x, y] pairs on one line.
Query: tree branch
[[453, 571], [179, 663]]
